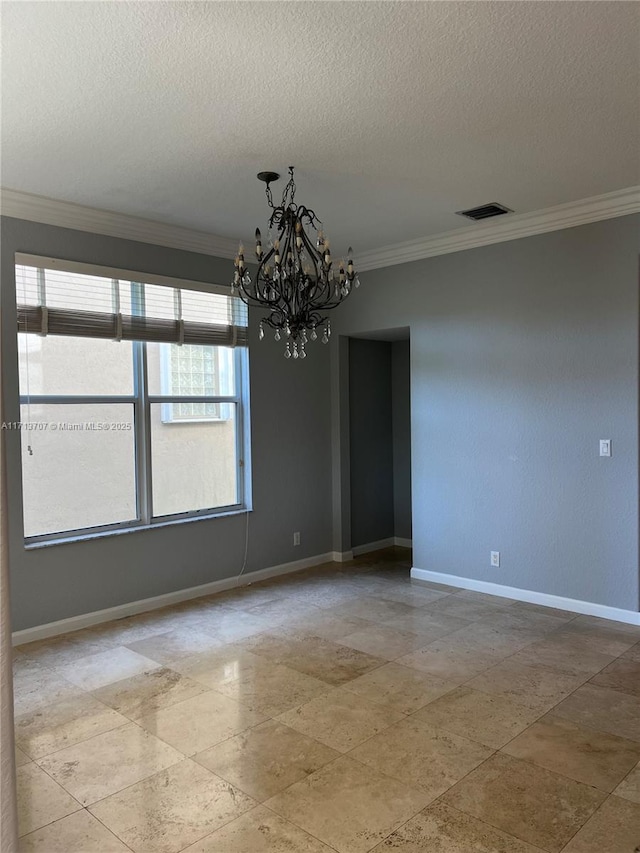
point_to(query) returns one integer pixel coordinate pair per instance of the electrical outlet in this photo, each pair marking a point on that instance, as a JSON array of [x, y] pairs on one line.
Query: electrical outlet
[[495, 559], [296, 538]]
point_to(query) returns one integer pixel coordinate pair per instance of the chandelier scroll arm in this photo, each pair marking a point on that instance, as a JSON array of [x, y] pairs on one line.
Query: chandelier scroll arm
[[289, 291], [323, 282], [251, 296], [311, 216], [276, 216], [318, 263], [262, 277]]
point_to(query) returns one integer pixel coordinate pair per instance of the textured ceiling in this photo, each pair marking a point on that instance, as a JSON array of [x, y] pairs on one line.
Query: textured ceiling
[[395, 114]]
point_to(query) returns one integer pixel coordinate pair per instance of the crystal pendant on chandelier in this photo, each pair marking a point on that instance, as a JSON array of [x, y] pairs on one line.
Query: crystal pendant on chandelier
[[296, 282]]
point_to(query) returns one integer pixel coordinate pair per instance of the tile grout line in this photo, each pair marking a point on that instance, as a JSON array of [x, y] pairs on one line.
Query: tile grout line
[[293, 823], [81, 807], [592, 815], [115, 834]]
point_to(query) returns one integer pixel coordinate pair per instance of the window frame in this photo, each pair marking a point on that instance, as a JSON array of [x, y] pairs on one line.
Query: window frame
[[141, 401]]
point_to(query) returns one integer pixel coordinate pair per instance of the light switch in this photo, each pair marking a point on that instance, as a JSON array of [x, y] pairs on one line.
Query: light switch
[[605, 447]]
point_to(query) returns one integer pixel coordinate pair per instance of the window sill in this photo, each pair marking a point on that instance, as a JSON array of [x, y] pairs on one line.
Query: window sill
[[184, 421], [134, 528]]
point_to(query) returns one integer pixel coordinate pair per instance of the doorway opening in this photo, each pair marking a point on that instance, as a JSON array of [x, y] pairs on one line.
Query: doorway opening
[[380, 440]]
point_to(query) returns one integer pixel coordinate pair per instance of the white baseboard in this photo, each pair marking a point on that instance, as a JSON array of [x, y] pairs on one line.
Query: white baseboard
[[588, 608], [392, 541], [85, 620], [373, 546], [342, 556]]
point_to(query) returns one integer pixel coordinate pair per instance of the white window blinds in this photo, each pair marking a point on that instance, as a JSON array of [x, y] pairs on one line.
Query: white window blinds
[[63, 298]]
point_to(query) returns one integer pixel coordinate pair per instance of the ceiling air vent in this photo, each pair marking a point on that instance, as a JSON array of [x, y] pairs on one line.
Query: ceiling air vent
[[485, 211]]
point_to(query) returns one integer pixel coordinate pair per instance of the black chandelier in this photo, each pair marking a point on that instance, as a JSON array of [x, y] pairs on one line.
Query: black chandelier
[[295, 282]]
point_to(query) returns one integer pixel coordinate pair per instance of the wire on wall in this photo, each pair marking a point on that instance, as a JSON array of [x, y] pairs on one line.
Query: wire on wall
[[246, 544]]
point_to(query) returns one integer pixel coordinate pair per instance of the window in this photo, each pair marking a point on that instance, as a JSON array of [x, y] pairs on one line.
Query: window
[[133, 399], [195, 371]]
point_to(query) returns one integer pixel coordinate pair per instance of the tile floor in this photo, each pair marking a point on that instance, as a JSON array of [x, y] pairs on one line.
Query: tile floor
[[345, 708]]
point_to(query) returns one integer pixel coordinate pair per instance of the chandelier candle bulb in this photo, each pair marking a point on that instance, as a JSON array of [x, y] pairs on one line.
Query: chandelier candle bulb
[[295, 281], [350, 269]]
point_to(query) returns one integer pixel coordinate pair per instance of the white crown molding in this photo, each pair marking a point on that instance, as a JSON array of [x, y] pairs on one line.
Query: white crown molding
[[512, 227], [64, 214], [49, 211]]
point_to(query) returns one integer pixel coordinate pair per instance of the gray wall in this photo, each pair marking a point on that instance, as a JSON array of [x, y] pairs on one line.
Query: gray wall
[[291, 478], [371, 441], [401, 413], [523, 355]]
